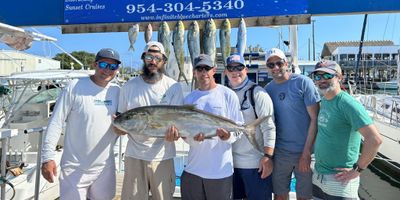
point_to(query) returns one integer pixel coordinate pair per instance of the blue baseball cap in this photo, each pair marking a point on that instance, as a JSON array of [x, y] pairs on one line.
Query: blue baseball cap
[[235, 58]]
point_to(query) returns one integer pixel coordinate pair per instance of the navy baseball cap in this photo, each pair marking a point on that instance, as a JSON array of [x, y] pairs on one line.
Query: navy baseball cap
[[235, 58]]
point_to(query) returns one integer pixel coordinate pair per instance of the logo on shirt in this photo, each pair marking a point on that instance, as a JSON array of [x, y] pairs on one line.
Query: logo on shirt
[[99, 102], [282, 96], [323, 118]]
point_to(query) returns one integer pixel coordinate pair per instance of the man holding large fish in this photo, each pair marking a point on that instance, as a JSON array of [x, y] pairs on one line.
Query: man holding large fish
[[148, 160], [208, 173]]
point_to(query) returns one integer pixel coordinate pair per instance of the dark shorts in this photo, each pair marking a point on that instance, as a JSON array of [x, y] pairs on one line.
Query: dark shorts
[[194, 187], [248, 184], [286, 163]]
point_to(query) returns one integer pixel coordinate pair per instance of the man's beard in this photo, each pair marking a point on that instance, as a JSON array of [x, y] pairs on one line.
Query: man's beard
[[152, 76], [324, 91]]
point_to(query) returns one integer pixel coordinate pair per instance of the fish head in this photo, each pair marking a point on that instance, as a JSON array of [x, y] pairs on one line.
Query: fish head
[[135, 119], [226, 24]]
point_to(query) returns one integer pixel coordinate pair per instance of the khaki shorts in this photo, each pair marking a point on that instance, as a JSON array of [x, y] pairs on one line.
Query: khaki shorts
[[143, 176]]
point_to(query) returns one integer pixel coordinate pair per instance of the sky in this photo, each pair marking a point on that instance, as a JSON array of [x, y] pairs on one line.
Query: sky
[[326, 29]]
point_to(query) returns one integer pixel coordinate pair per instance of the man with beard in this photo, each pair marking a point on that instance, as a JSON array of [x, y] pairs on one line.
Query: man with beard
[[148, 161], [341, 123], [296, 106]]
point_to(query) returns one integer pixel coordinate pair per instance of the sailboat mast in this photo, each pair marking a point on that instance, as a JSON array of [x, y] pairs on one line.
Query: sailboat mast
[[398, 72], [360, 48]]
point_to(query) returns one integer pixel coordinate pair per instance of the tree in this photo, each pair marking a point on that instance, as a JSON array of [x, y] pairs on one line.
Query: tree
[[84, 57]]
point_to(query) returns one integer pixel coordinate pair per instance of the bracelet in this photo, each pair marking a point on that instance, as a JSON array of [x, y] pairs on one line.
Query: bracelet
[[268, 156]]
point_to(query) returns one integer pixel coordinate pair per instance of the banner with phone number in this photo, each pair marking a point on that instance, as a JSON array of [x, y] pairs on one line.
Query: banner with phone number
[[120, 11]]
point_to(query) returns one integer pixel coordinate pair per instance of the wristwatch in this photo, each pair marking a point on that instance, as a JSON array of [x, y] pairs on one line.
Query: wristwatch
[[268, 156], [357, 168]]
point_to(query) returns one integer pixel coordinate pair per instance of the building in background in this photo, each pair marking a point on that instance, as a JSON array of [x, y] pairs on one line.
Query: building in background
[[16, 61]]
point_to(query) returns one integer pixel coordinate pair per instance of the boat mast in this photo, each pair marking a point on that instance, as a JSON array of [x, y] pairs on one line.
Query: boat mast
[[398, 72], [360, 48]]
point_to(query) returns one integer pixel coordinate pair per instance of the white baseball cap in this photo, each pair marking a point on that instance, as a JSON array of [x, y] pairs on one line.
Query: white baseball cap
[[275, 52]]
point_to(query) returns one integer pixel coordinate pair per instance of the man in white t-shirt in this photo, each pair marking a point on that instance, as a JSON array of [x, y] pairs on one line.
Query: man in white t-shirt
[[85, 109], [208, 173], [148, 161]]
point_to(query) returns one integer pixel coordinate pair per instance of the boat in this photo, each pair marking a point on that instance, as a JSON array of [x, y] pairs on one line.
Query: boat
[[26, 107], [388, 85], [385, 111]]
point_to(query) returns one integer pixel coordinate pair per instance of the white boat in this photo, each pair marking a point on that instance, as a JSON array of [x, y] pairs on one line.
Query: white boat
[[388, 85], [25, 110], [385, 111]]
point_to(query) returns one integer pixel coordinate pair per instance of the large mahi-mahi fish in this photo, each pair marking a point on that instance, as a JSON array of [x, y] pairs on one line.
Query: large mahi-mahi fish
[[153, 121]]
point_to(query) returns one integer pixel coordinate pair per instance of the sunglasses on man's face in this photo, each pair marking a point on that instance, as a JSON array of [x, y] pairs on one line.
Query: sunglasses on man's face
[[325, 76], [149, 57], [235, 68], [202, 68], [272, 65], [104, 65]]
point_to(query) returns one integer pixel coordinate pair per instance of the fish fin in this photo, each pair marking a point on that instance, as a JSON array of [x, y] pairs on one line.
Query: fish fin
[[155, 125], [189, 106], [184, 77], [250, 132]]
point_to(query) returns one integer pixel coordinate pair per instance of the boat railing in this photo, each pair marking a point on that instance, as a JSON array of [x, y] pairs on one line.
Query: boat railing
[[388, 108], [39, 130]]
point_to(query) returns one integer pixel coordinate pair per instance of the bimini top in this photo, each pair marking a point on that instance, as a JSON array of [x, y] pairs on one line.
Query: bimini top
[[48, 75]]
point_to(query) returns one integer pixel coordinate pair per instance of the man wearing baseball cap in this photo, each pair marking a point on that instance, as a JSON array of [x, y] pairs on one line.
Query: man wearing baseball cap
[[208, 173], [341, 122], [85, 109], [148, 161], [296, 105], [252, 169]]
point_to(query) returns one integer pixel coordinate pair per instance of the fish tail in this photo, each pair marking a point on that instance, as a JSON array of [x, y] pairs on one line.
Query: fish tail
[[250, 132], [131, 48]]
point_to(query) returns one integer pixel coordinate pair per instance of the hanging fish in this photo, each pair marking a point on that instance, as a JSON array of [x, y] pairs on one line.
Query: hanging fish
[[241, 37], [225, 39], [209, 46], [193, 40], [132, 34], [164, 37], [178, 41], [148, 33]]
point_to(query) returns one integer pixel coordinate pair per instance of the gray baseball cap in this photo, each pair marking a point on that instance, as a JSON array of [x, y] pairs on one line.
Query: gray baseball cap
[[203, 59], [108, 53], [328, 66]]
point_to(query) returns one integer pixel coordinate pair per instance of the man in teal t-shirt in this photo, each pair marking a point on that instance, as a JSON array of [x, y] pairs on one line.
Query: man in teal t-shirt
[[341, 123]]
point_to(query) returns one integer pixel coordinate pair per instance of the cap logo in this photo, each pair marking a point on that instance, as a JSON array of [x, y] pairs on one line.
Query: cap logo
[[235, 58]]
